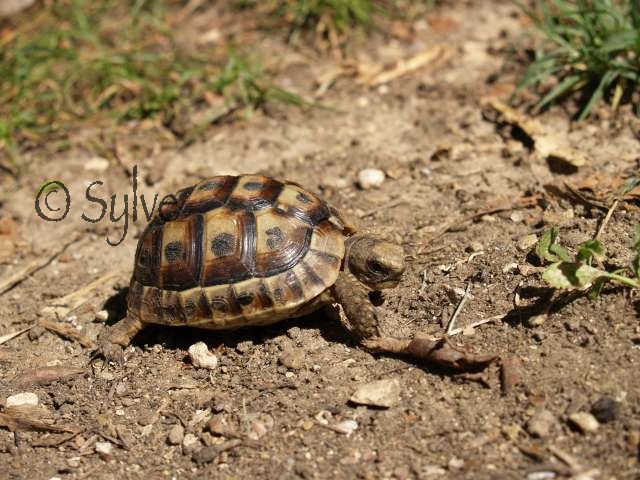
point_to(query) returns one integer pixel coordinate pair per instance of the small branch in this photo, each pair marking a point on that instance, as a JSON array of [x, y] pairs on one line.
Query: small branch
[[456, 331], [607, 217], [463, 300], [12, 335], [34, 266]]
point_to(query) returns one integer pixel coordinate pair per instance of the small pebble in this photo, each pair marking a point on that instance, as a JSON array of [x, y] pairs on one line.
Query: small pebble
[[542, 475], [292, 358], [176, 435], [104, 448], [526, 242], [102, 316], [431, 471], [190, 443], [96, 164], [585, 422], [382, 393], [260, 424], [347, 427], [244, 347], [36, 332], [201, 357], [455, 463], [22, 399], [572, 324], [370, 178], [516, 217], [510, 267], [605, 409], [541, 423]]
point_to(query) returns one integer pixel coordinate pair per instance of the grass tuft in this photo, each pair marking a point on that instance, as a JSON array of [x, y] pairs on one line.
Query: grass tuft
[[90, 63], [591, 47]]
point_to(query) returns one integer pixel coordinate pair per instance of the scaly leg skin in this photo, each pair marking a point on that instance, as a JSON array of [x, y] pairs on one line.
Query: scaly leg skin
[[360, 313], [112, 339]]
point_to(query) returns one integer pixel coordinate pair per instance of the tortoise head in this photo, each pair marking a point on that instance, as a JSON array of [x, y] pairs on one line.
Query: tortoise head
[[375, 262]]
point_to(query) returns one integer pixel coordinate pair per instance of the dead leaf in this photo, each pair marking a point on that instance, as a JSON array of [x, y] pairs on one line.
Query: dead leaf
[[19, 420], [46, 375], [67, 331], [438, 352], [510, 372]]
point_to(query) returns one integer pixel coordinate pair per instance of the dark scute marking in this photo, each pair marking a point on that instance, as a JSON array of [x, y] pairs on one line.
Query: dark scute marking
[[253, 186], [134, 297], [312, 215], [310, 276], [249, 241], [223, 244], [172, 310], [276, 238], [148, 256], [174, 251], [294, 285], [204, 310], [197, 248], [212, 185], [152, 304], [250, 204], [172, 212], [303, 197], [216, 199], [263, 294], [278, 294], [219, 304], [245, 298], [190, 308]]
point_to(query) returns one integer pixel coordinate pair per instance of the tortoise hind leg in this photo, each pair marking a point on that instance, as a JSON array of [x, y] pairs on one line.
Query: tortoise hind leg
[[354, 298], [112, 339]]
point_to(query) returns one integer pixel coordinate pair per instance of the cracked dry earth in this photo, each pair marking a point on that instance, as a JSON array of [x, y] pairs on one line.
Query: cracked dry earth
[[277, 403]]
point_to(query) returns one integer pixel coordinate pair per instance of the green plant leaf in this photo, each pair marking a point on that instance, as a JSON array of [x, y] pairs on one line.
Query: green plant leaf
[[548, 250], [589, 250], [566, 275]]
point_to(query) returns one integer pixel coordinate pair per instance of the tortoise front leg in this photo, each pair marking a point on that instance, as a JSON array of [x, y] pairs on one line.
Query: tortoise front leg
[[354, 298], [119, 335]]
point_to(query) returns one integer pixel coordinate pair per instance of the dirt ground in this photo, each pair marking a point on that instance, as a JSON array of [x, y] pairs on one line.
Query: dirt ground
[[463, 194]]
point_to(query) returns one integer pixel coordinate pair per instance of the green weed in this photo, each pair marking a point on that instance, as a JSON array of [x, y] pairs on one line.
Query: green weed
[[578, 272], [591, 47], [95, 63]]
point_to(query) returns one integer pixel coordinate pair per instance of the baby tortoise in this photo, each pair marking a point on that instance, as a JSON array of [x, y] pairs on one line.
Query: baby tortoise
[[252, 250]]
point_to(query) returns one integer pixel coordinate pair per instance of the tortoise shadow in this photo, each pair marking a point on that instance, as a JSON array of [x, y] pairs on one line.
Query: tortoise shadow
[[181, 337]]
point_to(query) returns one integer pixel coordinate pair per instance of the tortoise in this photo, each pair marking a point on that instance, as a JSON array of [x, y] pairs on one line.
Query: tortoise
[[235, 251]]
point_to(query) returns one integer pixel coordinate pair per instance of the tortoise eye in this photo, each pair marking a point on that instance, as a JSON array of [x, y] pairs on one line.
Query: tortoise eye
[[375, 267]]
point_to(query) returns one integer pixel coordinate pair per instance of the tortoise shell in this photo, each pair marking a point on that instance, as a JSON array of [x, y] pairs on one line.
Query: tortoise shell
[[235, 251]]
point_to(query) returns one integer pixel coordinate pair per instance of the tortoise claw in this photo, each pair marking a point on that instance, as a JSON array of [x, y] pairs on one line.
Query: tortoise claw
[[110, 352]]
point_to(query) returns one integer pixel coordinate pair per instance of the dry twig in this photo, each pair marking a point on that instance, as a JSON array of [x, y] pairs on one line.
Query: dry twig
[[33, 267]]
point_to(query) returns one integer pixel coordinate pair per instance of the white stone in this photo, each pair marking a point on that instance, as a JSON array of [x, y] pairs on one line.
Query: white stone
[[201, 357], [22, 399], [105, 448], [97, 164], [382, 393], [528, 241], [586, 422], [347, 427], [102, 316], [370, 178]]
